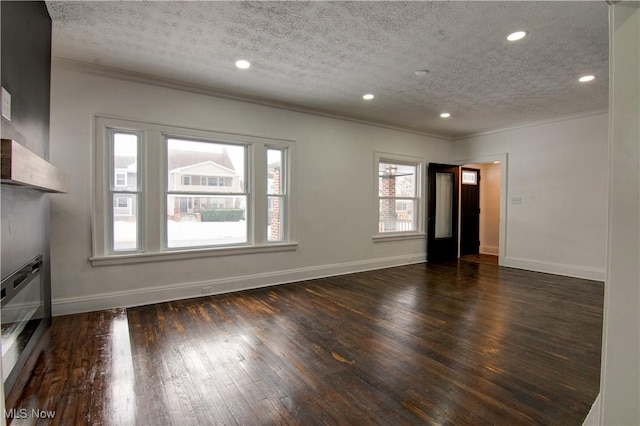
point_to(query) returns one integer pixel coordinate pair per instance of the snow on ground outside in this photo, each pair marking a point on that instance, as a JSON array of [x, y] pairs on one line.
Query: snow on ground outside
[[185, 234]]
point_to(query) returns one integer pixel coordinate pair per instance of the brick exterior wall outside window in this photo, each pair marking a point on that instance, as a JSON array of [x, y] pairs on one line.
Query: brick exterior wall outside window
[[275, 208], [388, 206]]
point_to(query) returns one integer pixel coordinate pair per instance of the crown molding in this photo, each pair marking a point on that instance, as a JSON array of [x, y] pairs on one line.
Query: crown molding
[[535, 123], [137, 77]]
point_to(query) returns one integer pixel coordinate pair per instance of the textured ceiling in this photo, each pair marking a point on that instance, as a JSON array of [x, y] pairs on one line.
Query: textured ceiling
[[323, 56]]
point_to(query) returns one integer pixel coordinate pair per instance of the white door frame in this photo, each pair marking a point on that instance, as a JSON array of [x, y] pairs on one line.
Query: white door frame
[[502, 158]]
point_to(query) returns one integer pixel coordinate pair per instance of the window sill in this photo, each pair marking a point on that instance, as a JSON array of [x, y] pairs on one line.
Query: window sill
[[126, 259], [383, 238]]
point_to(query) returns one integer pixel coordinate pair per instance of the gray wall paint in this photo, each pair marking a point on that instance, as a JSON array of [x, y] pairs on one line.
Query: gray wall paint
[[333, 193], [26, 74], [26, 65]]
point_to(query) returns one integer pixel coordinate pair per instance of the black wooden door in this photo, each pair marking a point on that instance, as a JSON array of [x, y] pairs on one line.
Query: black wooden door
[[470, 211], [442, 220]]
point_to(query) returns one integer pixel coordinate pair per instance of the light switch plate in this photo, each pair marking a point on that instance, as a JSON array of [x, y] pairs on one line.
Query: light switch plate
[[516, 200], [6, 104]]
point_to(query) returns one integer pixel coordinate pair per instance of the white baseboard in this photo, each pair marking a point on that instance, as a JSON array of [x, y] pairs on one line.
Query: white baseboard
[[146, 296], [593, 418], [490, 250], [586, 272]]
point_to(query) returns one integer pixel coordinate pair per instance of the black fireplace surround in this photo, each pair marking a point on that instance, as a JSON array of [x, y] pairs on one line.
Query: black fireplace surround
[[23, 317], [25, 262]]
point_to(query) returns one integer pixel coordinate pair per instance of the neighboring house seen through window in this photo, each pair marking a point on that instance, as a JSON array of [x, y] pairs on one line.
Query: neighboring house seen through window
[[211, 213]]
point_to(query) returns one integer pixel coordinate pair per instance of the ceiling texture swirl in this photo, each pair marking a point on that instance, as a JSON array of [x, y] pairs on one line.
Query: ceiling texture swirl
[[323, 57]]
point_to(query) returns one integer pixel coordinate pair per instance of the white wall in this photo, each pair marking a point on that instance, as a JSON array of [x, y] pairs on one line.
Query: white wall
[[334, 181], [559, 172], [620, 383]]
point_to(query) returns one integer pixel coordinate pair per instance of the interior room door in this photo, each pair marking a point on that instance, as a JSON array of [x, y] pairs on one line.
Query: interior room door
[[442, 220], [470, 211]]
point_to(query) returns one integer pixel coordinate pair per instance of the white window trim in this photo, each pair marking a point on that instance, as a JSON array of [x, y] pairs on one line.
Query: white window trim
[[419, 164], [185, 254], [152, 230]]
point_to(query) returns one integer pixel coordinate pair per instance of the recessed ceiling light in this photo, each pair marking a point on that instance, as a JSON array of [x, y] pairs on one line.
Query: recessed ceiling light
[[243, 64], [586, 78], [518, 35], [445, 115], [421, 73], [496, 162], [368, 97]]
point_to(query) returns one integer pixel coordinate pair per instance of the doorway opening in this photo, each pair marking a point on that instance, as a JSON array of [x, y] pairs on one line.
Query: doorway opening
[[480, 212], [476, 192]]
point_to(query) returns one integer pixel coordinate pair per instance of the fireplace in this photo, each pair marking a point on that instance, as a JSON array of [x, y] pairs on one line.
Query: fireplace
[[23, 317]]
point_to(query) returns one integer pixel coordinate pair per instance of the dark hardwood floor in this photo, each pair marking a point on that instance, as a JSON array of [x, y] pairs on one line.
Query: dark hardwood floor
[[480, 258], [462, 343]]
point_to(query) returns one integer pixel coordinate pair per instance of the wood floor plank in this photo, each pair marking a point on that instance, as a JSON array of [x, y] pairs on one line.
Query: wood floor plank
[[462, 343]]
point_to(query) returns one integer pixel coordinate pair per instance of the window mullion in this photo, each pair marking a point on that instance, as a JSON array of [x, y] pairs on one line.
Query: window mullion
[[153, 185], [399, 198], [203, 193]]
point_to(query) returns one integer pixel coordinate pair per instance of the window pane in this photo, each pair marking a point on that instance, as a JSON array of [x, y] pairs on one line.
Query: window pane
[[125, 161], [121, 179], [195, 166], [444, 205], [125, 222], [195, 220], [469, 177], [274, 178], [396, 180], [275, 225], [397, 215], [275, 191]]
